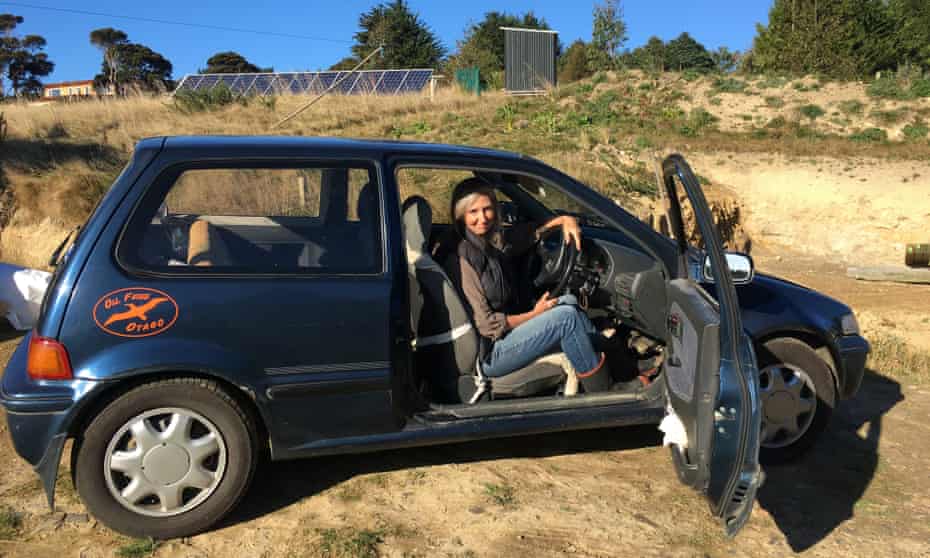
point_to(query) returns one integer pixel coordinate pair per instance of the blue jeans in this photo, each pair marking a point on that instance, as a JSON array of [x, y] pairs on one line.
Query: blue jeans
[[564, 327]]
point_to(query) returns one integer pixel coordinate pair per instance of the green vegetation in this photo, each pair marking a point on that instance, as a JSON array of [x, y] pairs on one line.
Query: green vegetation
[[870, 135], [771, 82], [22, 60], [851, 107], [10, 523], [917, 130], [812, 111], [888, 117], [844, 39], [698, 121], [407, 40], [774, 102], [137, 548], [230, 62], [348, 543], [728, 85], [189, 101], [500, 494]]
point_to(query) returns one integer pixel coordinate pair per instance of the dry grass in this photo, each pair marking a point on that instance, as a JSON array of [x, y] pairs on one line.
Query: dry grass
[[896, 358]]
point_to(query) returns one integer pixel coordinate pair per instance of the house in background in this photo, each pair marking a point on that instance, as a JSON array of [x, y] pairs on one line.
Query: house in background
[[67, 89]]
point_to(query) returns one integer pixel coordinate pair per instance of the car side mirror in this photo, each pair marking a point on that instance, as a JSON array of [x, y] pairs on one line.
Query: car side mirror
[[741, 268]]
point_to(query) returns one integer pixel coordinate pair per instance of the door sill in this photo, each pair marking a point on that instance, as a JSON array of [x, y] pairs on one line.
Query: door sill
[[445, 413]]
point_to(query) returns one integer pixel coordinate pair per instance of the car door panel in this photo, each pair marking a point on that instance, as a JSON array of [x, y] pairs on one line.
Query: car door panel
[[710, 371]]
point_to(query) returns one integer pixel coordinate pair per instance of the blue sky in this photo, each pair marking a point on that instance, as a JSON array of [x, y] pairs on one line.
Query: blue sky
[[715, 23]]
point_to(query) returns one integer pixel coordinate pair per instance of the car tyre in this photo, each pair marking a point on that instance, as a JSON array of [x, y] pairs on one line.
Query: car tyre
[[792, 377], [214, 420]]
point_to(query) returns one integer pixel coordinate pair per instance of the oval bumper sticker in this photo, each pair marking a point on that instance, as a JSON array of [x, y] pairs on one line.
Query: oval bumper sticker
[[135, 312]]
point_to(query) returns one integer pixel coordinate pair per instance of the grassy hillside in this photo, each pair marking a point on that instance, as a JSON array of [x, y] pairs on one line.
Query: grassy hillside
[[59, 158]]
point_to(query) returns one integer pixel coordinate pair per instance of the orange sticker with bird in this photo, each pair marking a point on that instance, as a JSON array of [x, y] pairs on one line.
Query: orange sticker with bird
[[135, 312]]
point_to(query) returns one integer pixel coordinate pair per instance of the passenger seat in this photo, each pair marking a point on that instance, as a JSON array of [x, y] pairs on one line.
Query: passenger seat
[[205, 247]]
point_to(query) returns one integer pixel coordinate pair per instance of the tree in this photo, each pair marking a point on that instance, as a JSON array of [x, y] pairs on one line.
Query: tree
[[725, 60], [22, 61], [230, 62], [483, 44], [138, 66], [651, 56], [685, 53], [8, 43], [608, 35], [27, 65], [911, 41], [573, 65], [408, 42], [107, 40], [838, 38]]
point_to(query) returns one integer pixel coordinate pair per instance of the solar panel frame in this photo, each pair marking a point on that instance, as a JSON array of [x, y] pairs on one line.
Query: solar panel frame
[[360, 82]]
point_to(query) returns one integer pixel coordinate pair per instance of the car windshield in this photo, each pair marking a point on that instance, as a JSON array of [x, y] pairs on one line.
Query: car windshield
[[558, 202]]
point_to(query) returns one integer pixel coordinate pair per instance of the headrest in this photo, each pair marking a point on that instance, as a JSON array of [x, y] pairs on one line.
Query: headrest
[[418, 220], [365, 207]]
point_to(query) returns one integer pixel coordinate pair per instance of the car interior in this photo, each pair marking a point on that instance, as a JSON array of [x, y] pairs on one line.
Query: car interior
[[620, 288]]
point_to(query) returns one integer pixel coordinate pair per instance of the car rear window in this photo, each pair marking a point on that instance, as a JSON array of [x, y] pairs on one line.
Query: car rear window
[[311, 219]]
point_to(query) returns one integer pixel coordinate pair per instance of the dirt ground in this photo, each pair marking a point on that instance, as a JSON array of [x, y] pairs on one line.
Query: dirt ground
[[862, 491]]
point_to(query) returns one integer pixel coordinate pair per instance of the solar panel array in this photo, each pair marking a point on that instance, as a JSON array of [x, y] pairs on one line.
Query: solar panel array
[[362, 82]]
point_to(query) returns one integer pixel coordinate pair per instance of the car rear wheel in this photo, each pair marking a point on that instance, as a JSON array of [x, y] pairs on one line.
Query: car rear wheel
[[167, 459], [798, 395]]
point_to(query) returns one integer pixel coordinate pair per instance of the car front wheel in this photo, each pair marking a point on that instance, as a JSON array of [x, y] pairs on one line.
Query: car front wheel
[[798, 396], [167, 459]]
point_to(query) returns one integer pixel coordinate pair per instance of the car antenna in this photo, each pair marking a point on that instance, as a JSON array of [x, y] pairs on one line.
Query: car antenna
[[332, 86]]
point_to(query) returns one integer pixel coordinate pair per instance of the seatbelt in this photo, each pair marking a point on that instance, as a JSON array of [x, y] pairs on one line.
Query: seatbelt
[[439, 338], [482, 383]]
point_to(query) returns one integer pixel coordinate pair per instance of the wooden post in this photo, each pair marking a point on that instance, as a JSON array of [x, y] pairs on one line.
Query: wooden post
[[302, 191]]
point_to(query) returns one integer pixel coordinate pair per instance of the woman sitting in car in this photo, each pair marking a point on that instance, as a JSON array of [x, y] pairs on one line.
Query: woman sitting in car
[[479, 259]]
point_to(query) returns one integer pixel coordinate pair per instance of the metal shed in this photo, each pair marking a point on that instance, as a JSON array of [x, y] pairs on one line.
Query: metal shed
[[529, 60]]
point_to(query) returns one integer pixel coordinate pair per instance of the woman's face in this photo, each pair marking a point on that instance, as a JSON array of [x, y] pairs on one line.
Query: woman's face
[[479, 217]]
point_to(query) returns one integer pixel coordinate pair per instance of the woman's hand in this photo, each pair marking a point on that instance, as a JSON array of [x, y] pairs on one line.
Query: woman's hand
[[544, 303], [571, 231]]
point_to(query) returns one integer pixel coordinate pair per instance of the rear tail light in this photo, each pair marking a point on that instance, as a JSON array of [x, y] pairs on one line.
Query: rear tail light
[[47, 360]]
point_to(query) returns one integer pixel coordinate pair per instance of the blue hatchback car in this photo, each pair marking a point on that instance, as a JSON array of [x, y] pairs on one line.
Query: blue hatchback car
[[238, 296]]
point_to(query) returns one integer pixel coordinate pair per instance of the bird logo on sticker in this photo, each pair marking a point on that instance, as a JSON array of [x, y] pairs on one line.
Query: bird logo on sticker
[[135, 312]]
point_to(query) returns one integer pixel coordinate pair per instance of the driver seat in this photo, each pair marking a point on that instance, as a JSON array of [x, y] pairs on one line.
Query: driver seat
[[446, 344]]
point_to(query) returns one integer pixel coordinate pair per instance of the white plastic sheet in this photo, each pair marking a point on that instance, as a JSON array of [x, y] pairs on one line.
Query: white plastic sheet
[[674, 431], [21, 292]]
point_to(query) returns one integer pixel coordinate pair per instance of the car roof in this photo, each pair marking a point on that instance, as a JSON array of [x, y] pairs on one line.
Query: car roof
[[200, 145]]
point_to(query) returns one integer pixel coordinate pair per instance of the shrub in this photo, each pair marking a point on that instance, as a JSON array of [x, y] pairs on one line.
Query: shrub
[[886, 88], [729, 85], [771, 82], [851, 107], [812, 111], [920, 88], [691, 75], [888, 117], [190, 100], [777, 122], [697, 122], [774, 102], [10, 523], [805, 87], [918, 130], [870, 135]]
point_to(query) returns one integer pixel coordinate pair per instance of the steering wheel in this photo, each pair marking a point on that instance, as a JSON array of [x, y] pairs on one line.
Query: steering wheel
[[557, 265]]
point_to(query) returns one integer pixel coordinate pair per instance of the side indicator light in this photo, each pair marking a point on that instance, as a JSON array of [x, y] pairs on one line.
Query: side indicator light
[[47, 360]]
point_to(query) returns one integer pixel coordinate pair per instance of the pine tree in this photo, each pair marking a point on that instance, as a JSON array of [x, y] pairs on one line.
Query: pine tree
[[685, 53], [408, 42], [483, 44], [230, 62]]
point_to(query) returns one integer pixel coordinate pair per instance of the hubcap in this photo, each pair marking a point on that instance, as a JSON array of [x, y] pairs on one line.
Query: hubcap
[[789, 402], [165, 462]]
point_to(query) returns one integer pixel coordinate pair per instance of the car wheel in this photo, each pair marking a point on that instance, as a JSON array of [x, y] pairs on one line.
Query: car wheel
[[798, 396], [167, 459]]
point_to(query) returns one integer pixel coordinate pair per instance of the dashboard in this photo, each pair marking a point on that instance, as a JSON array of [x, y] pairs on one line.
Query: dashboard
[[624, 281]]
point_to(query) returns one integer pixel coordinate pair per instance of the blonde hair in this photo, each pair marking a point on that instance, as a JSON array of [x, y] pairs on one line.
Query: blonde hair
[[474, 191]]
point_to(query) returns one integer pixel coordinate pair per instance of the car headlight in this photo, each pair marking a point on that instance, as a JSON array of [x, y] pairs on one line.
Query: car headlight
[[849, 325]]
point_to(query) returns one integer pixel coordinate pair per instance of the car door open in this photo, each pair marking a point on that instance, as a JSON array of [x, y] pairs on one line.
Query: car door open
[[713, 420]]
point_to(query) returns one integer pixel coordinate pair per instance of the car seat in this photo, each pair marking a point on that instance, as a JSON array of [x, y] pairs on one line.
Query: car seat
[[205, 247], [446, 343]]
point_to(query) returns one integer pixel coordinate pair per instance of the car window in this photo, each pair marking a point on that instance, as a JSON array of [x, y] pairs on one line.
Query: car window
[[434, 185], [557, 201], [259, 220]]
